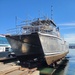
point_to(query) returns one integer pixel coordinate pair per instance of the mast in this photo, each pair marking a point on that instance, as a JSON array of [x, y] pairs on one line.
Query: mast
[[16, 21], [51, 12]]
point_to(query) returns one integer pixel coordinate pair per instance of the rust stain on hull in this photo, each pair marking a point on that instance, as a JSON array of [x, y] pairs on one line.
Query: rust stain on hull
[[52, 58]]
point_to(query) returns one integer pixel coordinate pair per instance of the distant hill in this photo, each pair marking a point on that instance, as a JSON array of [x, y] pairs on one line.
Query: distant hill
[[72, 46]]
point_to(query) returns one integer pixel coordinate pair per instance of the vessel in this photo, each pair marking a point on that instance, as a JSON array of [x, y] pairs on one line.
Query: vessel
[[37, 40], [5, 47]]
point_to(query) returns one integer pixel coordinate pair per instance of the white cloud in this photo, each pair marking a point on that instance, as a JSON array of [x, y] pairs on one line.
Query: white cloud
[[70, 38], [70, 25], [67, 24], [67, 27]]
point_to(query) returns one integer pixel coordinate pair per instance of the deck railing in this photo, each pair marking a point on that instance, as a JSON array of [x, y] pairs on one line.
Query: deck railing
[[28, 29]]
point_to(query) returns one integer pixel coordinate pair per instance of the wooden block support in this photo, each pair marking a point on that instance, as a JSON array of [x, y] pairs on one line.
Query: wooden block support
[[13, 69], [9, 69], [35, 73]]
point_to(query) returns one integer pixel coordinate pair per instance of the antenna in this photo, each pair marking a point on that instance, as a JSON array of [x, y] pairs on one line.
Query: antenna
[[39, 14], [51, 12], [16, 21]]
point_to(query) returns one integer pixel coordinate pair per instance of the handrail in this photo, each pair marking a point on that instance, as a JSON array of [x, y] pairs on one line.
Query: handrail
[[28, 29]]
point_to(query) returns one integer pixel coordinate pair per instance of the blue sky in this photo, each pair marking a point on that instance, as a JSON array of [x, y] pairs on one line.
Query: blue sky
[[63, 14]]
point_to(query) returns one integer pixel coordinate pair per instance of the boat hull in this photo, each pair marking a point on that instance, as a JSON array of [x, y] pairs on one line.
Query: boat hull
[[36, 45], [54, 58]]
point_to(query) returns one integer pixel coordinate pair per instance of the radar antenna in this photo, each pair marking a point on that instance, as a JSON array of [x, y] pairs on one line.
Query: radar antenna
[[51, 12]]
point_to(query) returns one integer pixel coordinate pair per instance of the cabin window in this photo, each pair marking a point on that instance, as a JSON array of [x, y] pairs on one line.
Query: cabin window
[[3, 40], [6, 49]]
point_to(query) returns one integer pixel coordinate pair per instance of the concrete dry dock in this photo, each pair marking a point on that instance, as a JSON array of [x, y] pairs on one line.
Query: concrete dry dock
[[13, 69]]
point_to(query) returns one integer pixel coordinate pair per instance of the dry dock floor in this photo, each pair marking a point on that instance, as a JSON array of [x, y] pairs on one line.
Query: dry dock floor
[[12, 69]]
